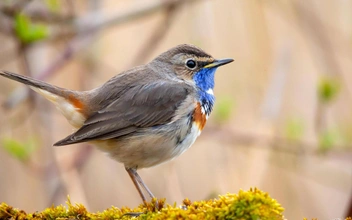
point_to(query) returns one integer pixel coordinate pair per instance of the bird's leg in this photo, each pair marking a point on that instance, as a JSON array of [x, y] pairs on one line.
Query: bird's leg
[[137, 181], [141, 183], [132, 172]]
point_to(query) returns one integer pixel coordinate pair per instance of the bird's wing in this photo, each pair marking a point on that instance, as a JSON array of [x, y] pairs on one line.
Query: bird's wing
[[138, 107]]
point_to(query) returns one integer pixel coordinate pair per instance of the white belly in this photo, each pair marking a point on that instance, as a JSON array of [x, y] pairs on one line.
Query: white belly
[[149, 149]]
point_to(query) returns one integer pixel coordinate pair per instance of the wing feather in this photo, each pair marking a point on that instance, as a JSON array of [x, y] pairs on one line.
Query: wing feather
[[138, 107]]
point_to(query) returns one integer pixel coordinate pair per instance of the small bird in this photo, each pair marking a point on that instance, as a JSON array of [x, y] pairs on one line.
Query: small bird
[[143, 116]]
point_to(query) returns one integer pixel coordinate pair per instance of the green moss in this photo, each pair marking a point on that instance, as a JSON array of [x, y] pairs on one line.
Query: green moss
[[348, 218], [253, 204]]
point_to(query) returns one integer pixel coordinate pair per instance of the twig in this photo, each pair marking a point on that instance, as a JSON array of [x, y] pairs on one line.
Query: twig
[[92, 22], [158, 34], [277, 143], [20, 5]]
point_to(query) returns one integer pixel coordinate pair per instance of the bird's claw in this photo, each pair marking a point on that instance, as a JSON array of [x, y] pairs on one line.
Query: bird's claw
[[133, 214]]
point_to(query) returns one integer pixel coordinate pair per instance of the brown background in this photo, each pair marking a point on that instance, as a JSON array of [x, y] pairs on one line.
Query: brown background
[[282, 50]]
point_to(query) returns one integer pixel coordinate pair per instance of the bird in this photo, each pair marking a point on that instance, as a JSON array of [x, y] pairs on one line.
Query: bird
[[144, 116]]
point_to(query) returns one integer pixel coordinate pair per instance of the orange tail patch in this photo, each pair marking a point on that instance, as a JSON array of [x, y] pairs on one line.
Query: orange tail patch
[[76, 103], [72, 108]]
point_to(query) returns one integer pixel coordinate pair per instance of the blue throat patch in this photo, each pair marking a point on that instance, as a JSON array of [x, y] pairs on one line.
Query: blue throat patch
[[204, 80]]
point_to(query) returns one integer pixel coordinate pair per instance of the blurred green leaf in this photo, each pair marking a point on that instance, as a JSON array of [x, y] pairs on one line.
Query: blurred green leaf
[[17, 149], [328, 140], [28, 32], [294, 129], [53, 5], [328, 89], [224, 108]]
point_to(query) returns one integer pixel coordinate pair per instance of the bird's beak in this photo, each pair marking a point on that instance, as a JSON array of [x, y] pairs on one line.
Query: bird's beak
[[218, 63]]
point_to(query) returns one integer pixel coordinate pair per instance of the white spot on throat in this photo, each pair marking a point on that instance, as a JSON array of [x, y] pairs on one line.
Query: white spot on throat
[[210, 92]]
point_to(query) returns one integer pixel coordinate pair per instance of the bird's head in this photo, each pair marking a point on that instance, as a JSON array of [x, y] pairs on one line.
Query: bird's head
[[192, 63]]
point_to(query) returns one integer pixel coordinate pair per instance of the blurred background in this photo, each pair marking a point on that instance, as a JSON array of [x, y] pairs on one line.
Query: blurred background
[[282, 121]]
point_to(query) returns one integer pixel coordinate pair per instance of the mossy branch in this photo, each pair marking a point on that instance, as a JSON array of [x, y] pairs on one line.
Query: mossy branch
[[252, 204]]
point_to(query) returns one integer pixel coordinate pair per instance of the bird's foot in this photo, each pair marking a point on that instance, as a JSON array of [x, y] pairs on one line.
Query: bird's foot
[[133, 214], [155, 205]]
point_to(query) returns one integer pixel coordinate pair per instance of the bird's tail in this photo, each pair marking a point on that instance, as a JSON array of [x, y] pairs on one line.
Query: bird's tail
[[70, 103], [34, 83]]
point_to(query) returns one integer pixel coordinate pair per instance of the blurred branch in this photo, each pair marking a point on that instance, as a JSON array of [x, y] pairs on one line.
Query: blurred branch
[[93, 21], [157, 35], [90, 22], [38, 14], [277, 143], [21, 4], [6, 22], [41, 14]]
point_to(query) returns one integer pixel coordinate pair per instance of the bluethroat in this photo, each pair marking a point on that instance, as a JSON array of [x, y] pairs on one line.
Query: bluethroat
[[143, 116]]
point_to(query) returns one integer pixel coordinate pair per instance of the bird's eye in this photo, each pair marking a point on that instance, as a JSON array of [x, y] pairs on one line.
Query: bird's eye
[[191, 64]]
